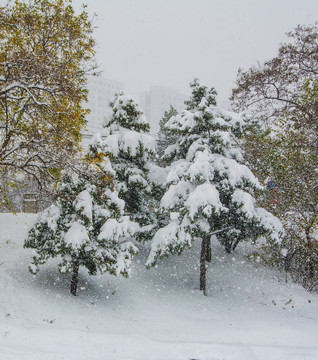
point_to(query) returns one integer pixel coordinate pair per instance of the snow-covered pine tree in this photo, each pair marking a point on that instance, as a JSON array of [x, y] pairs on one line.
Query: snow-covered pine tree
[[166, 138], [130, 149], [209, 189], [85, 226]]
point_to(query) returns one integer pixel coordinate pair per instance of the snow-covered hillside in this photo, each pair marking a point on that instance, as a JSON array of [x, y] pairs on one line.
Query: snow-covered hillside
[[159, 313]]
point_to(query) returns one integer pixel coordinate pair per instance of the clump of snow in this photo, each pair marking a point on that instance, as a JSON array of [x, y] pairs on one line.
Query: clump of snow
[[84, 204], [176, 194], [157, 174], [177, 170], [201, 167], [96, 140], [107, 166], [272, 223], [115, 230], [246, 200], [221, 122], [129, 141], [137, 178], [123, 263], [162, 241], [76, 236], [174, 215], [205, 194], [235, 173], [114, 199], [182, 122], [50, 216], [112, 144], [224, 136]]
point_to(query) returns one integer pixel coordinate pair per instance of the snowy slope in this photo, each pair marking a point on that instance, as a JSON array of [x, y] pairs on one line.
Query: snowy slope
[[250, 313]]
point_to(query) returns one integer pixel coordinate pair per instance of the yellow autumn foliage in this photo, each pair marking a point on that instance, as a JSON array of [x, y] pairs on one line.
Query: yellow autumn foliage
[[46, 51]]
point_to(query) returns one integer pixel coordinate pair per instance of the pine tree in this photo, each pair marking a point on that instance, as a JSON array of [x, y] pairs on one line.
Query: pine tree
[[166, 139], [130, 149], [85, 226], [209, 189]]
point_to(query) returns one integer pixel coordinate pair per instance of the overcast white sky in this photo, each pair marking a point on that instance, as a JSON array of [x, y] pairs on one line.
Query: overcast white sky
[[169, 42]]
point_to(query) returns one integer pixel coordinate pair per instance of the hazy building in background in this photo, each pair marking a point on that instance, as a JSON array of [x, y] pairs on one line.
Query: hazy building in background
[[153, 103], [101, 92], [156, 101]]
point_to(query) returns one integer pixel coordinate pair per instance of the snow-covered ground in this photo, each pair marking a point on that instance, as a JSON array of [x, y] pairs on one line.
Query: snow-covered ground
[[249, 313]]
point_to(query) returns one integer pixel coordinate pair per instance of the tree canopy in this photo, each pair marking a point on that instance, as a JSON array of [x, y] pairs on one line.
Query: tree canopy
[[283, 151], [45, 51], [275, 88]]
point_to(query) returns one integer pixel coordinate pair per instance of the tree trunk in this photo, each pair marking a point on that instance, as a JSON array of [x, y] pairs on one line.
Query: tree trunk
[[208, 250], [74, 280], [203, 257], [235, 244], [228, 247]]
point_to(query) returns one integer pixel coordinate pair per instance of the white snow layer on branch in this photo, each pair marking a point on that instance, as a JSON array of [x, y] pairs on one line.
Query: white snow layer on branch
[[178, 169], [157, 174], [176, 194], [107, 166], [97, 141], [246, 200], [137, 178], [171, 238], [205, 195], [204, 164], [129, 140], [225, 136], [220, 121], [234, 171], [116, 230], [124, 258], [121, 100], [84, 204], [268, 220], [162, 240], [171, 149], [114, 199], [201, 166], [50, 217], [230, 117], [272, 223], [76, 235], [184, 121]]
